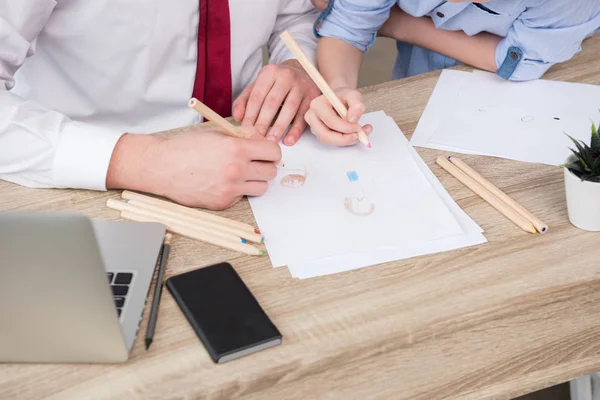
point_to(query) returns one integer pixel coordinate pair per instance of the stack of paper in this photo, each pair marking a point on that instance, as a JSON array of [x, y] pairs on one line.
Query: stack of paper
[[481, 113], [335, 209]]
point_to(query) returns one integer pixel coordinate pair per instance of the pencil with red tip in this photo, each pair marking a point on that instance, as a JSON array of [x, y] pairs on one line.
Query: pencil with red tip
[[316, 76]]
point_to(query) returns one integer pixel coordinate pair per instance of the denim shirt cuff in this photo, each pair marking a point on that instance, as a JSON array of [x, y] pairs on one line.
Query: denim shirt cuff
[[323, 15], [514, 55]]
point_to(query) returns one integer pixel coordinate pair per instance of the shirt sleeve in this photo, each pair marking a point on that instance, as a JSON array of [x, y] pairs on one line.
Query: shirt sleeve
[[549, 33], [40, 147], [354, 21], [298, 18]]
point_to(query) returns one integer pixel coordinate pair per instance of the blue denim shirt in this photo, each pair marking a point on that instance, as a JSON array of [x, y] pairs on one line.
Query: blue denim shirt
[[536, 33]]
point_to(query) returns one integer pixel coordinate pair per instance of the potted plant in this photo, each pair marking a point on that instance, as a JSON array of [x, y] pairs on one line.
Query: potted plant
[[582, 183]]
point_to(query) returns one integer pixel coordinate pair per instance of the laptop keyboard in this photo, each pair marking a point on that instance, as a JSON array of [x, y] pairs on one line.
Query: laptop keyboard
[[120, 283]]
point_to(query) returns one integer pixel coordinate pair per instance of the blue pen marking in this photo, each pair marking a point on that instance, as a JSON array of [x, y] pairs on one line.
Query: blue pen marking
[[352, 176]]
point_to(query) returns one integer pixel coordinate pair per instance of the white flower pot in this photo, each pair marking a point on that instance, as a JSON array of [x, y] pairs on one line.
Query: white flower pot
[[583, 202]]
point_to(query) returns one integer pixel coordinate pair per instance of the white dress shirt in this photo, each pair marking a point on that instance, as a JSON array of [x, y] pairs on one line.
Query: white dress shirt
[[76, 74]]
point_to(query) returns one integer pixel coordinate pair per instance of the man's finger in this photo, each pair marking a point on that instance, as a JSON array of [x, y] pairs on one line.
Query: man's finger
[[261, 171], [287, 114], [262, 150], [254, 188], [239, 105], [298, 126], [272, 103], [262, 87]]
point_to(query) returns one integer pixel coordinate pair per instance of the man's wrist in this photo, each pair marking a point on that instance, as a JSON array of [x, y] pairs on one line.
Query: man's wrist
[[131, 162]]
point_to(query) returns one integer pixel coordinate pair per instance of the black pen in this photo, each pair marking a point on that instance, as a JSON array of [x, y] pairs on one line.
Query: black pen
[[158, 291]]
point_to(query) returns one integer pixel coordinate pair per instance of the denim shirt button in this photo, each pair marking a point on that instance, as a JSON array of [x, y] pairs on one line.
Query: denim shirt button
[[440, 14], [514, 55]]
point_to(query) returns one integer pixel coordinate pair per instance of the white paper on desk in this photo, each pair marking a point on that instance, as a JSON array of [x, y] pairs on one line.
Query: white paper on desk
[[524, 121], [313, 221], [472, 236], [449, 85], [334, 265]]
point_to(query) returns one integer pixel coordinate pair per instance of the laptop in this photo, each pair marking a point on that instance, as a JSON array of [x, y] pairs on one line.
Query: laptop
[[73, 290]]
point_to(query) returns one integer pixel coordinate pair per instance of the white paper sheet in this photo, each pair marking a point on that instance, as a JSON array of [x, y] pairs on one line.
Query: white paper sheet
[[449, 85], [348, 262], [472, 236], [481, 113], [318, 218]]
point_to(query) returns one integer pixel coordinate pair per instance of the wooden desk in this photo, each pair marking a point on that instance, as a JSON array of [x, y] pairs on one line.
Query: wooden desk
[[517, 314]]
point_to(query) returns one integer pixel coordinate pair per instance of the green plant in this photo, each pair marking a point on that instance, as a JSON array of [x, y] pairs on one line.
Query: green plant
[[586, 164]]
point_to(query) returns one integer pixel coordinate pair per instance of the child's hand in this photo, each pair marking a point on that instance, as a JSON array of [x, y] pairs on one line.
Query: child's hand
[[329, 127]]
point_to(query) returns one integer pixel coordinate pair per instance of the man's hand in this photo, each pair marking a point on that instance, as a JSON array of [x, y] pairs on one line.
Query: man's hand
[[287, 86], [198, 169]]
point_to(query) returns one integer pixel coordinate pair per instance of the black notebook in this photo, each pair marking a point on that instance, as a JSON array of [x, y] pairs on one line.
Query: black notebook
[[223, 312]]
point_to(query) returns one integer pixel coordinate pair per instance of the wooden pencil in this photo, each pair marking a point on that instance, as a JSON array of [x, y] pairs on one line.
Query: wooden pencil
[[192, 212], [171, 221], [318, 79], [221, 122], [211, 225], [196, 235], [536, 222], [215, 118], [495, 202]]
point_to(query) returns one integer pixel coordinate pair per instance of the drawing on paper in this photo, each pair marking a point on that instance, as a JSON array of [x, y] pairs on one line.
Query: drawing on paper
[[357, 203], [293, 177]]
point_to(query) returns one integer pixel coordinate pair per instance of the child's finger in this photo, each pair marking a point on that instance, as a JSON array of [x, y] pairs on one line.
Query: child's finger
[[356, 105], [326, 135], [330, 117]]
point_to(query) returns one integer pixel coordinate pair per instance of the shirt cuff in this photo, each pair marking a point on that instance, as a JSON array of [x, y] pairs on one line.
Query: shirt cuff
[[361, 42], [325, 27], [513, 65], [507, 59], [83, 155]]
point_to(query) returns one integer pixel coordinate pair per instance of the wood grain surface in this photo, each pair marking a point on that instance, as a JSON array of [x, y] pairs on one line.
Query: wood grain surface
[[495, 321]]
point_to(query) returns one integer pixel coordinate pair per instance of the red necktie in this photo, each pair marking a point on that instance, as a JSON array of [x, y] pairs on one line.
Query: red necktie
[[213, 71]]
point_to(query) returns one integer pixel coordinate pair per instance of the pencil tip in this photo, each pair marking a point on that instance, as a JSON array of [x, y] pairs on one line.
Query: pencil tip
[[148, 343], [369, 145], [257, 231], [243, 240], [533, 231], [261, 253], [262, 239]]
